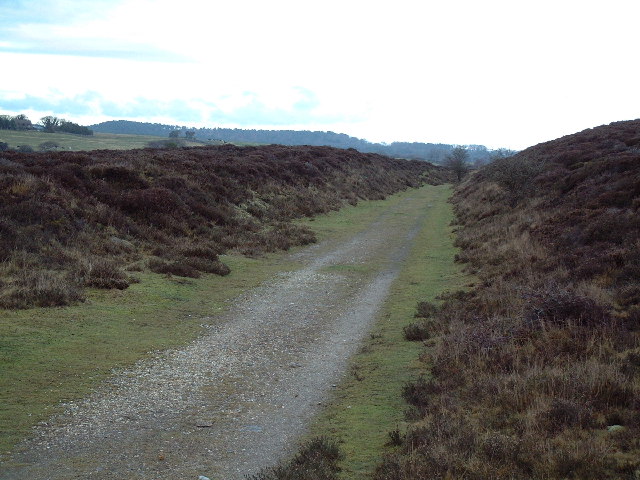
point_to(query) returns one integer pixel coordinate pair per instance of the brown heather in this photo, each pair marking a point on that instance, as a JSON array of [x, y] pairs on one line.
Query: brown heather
[[536, 371], [317, 459], [83, 219]]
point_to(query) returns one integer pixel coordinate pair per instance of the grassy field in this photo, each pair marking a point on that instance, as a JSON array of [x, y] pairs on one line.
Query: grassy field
[[48, 356], [368, 404], [67, 141]]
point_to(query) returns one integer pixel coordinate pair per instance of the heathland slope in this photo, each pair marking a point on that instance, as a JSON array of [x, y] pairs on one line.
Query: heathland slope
[[70, 220], [535, 372]]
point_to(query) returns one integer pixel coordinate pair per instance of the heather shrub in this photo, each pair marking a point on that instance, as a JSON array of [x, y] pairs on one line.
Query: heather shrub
[[565, 413], [418, 393], [426, 310], [298, 234], [179, 268], [101, 273], [316, 460], [150, 200], [555, 304], [206, 265], [199, 250], [41, 288], [48, 146], [283, 236], [417, 331], [120, 176], [396, 438], [8, 237], [72, 176]]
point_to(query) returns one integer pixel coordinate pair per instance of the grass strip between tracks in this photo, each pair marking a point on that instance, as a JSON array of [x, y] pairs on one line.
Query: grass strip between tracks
[[368, 404]]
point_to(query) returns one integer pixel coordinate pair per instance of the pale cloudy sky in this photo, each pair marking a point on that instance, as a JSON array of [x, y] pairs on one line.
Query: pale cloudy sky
[[502, 73]]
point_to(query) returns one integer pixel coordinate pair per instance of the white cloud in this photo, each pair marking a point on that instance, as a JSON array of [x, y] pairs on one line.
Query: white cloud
[[498, 72]]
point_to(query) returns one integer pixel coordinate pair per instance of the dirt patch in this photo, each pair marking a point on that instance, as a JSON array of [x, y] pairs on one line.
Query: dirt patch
[[238, 398]]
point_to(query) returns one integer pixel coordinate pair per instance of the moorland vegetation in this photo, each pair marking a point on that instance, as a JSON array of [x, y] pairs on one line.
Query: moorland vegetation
[[71, 220], [535, 372]]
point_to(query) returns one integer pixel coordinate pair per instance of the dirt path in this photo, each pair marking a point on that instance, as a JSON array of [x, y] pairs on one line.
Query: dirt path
[[239, 397]]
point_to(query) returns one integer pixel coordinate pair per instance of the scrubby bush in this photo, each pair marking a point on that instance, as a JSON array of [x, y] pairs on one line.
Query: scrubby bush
[[101, 273], [515, 174]]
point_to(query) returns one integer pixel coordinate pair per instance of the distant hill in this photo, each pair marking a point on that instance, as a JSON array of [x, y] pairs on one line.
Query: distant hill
[[432, 152]]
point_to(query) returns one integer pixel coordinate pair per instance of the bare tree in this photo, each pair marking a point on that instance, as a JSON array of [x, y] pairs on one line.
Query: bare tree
[[50, 124], [22, 122], [457, 161]]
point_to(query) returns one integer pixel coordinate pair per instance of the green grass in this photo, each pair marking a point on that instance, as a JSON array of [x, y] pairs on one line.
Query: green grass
[[368, 404], [58, 354], [67, 141]]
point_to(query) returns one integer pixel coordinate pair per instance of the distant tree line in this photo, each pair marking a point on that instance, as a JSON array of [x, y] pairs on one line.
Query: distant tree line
[[17, 122], [48, 124], [432, 152], [189, 134], [54, 124], [459, 159]]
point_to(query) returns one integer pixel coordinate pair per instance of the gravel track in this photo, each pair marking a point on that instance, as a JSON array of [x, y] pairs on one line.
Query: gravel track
[[239, 397]]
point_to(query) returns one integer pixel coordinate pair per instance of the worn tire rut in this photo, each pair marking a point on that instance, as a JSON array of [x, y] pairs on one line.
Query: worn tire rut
[[240, 396]]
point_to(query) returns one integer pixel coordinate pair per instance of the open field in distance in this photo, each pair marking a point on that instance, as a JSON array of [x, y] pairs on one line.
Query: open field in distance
[[70, 142]]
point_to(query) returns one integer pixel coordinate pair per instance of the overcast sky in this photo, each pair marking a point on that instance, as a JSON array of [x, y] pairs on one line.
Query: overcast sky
[[498, 73]]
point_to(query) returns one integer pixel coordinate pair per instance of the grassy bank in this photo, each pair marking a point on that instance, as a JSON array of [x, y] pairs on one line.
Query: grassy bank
[[57, 354], [76, 220], [535, 373], [368, 404]]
